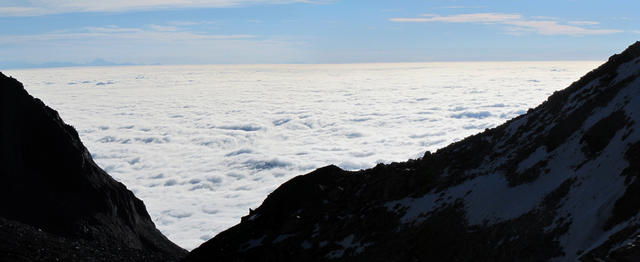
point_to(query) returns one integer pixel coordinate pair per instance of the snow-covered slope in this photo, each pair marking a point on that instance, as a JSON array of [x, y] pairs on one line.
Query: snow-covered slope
[[558, 183]]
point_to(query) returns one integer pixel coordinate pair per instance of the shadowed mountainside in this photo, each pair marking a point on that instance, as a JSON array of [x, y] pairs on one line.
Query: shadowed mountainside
[[55, 202], [558, 183]]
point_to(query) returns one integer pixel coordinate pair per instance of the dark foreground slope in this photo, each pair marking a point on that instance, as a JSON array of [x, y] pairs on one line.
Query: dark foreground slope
[[558, 183], [55, 202]]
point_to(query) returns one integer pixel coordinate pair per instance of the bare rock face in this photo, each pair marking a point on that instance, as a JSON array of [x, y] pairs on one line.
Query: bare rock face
[[55, 202], [558, 183]]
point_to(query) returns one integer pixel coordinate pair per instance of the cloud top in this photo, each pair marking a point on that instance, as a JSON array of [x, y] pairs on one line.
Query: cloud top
[[516, 23]]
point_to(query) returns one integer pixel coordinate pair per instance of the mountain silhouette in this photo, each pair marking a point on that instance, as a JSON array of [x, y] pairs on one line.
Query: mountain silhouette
[[55, 202]]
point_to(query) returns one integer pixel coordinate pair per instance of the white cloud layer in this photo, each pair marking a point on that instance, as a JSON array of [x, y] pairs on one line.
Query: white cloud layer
[[45, 7], [203, 144], [516, 23]]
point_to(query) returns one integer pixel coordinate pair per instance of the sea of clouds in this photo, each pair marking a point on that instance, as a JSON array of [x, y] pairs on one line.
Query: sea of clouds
[[203, 144]]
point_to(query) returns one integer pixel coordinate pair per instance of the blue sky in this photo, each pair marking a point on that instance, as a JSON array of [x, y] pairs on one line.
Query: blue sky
[[36, 32]]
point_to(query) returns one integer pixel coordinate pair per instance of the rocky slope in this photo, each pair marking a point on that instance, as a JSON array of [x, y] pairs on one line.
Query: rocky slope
[[56, 204], [559, 183]]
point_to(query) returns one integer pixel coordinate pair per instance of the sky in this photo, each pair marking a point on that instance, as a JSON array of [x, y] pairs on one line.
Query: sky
[[40, 33]]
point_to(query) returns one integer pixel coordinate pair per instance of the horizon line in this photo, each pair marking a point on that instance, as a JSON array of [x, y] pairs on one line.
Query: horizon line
[[40, 66]]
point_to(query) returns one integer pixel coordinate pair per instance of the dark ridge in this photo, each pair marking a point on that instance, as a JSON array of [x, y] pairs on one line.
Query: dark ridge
[[606, 72], [22, 242], [50, 183], [556, 101], [567, 122]]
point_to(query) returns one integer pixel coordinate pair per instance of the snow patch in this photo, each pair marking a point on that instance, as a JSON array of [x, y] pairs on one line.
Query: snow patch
[[282, 237], [413, 207], [253, 243], [535, 157], [347, 243]]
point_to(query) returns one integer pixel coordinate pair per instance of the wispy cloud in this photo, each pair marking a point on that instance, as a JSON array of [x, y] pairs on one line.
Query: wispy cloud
[[463, 18], [112, 33], [164, 28], [45, 7], [554, 28], [110, 29], [542, 17], [583, 23], [462, 7], [516, 23], [20, 10], [191, 23]]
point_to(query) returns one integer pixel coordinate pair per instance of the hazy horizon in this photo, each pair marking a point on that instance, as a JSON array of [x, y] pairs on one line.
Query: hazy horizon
[[108, 64]]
